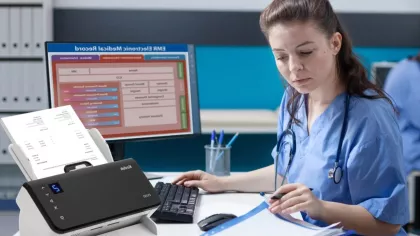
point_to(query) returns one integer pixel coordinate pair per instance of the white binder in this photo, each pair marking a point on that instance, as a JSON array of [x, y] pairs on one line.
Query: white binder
[[24, 86], [39, 93], [38, 31], [8, 80], [14, 27], [25, 82], [26, 32], [15, 84], [4, 32], [6, 96], [5, 157], [27, 88], [3, 89]]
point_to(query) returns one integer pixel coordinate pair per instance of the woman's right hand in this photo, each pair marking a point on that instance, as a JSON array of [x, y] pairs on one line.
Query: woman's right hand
[[200, 179]]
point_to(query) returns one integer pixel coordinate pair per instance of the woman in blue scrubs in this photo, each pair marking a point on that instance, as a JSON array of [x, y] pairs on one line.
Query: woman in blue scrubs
[[403, 86], [341, 122]]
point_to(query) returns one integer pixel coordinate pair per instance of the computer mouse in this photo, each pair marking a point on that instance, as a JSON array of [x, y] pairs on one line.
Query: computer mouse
[[214, 220]]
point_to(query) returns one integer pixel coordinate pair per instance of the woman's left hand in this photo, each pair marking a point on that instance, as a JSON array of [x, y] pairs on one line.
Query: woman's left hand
[[297, 198]]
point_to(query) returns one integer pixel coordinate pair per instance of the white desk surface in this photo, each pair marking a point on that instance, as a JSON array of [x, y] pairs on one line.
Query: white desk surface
[[207, 204]]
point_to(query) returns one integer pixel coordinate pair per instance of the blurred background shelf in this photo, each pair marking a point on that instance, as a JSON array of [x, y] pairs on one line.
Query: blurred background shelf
[[249, 121]]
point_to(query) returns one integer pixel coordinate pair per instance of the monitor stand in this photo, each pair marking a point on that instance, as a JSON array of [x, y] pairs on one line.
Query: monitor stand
[[118, 153]]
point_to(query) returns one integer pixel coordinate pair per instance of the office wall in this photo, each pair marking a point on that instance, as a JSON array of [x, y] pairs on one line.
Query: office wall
[[355, 6], [231, 52]]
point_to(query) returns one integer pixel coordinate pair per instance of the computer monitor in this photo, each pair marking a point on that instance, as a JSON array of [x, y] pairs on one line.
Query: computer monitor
[[128, 91], [379, 72]]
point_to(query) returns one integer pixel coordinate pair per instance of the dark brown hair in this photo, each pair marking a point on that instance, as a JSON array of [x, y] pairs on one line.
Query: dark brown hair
[[350, 70]]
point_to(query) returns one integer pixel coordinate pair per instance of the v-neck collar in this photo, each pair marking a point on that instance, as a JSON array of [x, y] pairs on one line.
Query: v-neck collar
[[323, 118]]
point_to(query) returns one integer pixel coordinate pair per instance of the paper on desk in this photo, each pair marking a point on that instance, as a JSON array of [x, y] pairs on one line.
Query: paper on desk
[[260, 221], [52, 139], [291, 217]]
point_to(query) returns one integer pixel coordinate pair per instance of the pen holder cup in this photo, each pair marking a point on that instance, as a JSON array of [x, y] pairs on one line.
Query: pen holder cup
[[218, 160]]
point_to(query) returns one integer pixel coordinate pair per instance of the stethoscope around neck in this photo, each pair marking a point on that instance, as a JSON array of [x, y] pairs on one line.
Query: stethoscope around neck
[[335, 173]]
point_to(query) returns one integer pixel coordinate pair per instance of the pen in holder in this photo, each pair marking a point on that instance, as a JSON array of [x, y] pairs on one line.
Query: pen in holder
[[218, 160]]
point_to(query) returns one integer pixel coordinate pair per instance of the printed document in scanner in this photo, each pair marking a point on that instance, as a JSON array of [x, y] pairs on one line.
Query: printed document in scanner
[[52, 139]]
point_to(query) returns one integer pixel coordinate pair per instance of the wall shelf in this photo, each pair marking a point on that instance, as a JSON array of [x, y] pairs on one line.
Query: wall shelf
[[238, 120]]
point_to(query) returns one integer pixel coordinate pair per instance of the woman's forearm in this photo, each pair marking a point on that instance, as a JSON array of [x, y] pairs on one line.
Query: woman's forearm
[[354, 217], [261, 180]]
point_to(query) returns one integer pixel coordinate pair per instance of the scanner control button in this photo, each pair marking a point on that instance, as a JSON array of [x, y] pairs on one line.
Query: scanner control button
[[47, 194], [55, 208], [62, 217], [52, 201], [43, 187]]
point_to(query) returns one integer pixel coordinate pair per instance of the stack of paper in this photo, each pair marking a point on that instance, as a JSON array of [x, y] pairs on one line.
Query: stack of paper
[[260, 221], [52, 139]]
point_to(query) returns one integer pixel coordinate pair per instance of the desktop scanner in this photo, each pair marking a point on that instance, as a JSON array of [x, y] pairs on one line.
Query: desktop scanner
[[215, 220], [88, 201]]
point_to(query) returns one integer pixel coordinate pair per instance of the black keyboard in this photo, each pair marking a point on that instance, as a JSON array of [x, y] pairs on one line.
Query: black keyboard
[[178, 203]]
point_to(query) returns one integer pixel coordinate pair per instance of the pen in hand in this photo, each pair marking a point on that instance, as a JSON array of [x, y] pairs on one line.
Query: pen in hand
[[280, 195], [265, 197]]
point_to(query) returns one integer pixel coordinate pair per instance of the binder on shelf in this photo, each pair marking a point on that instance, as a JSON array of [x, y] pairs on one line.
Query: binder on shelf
[[15, 29], [39, 91], [5, 87], [23, 86], [38, 31], [28, 87], [15, 86], [4, 32], [26, 32], [18, 86], [5, 157], [24, 90]]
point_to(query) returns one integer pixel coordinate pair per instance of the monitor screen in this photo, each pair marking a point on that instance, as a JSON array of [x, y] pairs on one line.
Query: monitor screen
[[126, 90], [380, 71]]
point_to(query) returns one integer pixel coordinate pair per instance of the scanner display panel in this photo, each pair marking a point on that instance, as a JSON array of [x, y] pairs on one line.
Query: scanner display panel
[[92, 195]]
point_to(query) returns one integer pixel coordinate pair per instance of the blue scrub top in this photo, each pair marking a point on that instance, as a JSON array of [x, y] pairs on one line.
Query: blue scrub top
[[371, 157], [403, 86]]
